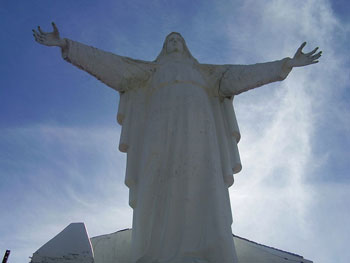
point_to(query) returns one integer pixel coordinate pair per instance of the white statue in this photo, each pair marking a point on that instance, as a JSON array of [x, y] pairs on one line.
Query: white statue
[[180, 134]]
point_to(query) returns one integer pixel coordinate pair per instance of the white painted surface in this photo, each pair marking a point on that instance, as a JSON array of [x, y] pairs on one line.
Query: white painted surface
[[115, 248], [180, 134], [71, 245]]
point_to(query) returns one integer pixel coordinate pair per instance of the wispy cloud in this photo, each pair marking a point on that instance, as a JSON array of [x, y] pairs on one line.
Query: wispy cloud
[[71, 175], [293, 189], [276, 197]]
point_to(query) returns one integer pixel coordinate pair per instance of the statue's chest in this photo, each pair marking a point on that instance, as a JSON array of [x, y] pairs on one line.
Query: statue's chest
[[176, 72]]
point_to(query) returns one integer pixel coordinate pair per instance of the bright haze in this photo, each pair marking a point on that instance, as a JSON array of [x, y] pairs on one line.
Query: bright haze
[[59, 159]]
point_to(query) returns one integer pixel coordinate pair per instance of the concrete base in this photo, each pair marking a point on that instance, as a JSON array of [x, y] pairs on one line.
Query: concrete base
[[115, 248], [73, 245]]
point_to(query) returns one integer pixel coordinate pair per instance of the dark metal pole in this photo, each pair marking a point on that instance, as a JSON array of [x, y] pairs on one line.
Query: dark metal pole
[[6, 256]]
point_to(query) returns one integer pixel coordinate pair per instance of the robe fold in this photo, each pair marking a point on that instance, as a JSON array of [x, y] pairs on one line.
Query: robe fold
[[180, 133]]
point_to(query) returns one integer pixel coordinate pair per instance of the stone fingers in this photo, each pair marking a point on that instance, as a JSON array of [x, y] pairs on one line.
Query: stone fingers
[[316, 56], [299, 52], [55, 29], [36, 35], [301, 47], [41, 32], [311, 53], [40, 38]]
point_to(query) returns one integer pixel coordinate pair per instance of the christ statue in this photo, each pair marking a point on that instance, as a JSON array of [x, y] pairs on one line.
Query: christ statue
[[180, 134]]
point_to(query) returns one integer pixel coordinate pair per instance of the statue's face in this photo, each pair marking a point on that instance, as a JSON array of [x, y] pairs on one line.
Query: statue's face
[[174, 44]]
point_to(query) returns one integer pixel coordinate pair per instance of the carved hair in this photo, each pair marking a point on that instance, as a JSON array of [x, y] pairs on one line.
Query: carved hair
[[186, 52]]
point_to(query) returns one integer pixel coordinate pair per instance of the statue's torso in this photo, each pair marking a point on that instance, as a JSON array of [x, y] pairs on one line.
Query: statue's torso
[[180, 172]]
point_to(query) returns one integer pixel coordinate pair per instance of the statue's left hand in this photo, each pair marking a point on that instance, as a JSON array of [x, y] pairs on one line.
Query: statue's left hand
[[301, 59]]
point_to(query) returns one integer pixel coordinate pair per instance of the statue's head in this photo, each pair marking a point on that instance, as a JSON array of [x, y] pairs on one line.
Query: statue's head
[[175, 44]]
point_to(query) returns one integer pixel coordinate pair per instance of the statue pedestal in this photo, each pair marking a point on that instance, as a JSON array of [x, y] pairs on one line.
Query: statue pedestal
[[73, 245]]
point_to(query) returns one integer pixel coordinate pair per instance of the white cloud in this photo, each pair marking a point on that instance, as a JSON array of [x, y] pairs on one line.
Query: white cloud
[[78, 177], [276, 198]]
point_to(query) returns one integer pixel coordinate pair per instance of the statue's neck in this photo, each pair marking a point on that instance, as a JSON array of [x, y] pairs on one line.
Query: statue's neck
[[175, 57]]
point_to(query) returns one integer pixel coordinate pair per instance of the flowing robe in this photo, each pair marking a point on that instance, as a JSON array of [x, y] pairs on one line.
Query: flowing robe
[[180, 134]]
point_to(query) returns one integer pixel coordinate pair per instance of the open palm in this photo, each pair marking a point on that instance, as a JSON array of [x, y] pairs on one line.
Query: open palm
[[301, 59], [48, 38]]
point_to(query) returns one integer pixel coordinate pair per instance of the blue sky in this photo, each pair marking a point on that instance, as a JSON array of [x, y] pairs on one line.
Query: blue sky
[[59, 161]]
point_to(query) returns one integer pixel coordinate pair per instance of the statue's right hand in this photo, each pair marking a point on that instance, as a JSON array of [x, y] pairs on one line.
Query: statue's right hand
[[50, 38]]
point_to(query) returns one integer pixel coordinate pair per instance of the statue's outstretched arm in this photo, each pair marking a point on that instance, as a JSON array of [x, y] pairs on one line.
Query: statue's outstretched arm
[[117, 72], [241, 78]]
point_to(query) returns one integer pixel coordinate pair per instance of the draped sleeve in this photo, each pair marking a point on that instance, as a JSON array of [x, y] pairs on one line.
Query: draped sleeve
[[227, 130], [240, 78], [119, 73], [226, 82]]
